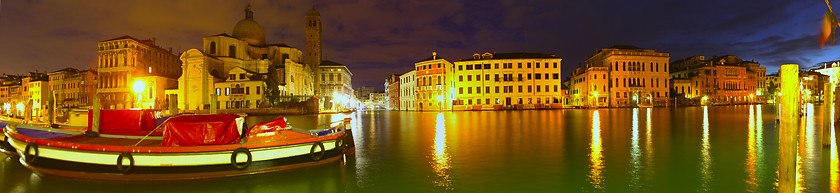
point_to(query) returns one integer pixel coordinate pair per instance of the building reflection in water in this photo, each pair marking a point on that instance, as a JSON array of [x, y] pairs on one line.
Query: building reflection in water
[[596, 158], [635, 153], [441, 156], [752, 157], [706, 157]]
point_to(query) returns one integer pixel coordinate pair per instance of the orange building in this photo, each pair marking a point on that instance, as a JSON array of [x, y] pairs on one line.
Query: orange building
[[621, 76], [434, 84], [721, 80]]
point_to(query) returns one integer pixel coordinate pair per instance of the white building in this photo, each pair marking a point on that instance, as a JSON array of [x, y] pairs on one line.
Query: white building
[[408, 91]]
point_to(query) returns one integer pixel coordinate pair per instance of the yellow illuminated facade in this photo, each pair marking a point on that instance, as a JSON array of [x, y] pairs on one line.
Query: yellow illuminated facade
[[621, 76], [36, 94], [210, 68], [124, 60], [435, 90], [508, 80], [10, 95]]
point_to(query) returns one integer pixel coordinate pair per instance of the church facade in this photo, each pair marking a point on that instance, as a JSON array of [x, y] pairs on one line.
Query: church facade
[[240, 69]]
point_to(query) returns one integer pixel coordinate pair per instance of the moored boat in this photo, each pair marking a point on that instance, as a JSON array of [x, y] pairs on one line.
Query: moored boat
[[183, 147]]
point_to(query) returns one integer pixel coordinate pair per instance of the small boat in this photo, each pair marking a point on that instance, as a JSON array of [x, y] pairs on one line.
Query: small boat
[[184, 147]]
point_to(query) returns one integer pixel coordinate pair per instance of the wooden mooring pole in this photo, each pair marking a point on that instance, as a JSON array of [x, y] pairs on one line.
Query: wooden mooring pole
[[788, 129], [828, 114]]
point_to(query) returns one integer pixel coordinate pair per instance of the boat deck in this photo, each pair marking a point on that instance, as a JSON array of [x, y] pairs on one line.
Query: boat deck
[[81, 139]]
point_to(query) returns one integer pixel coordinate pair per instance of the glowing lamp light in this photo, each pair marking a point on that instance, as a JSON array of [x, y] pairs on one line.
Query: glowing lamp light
[[139, 86], [20, 106], [440, 97], [7, 106]]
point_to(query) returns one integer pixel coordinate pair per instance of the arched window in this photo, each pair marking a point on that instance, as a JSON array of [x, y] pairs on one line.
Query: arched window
[[232, 51], [212, 47]]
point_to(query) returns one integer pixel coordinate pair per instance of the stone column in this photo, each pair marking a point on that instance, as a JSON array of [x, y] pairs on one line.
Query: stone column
[[789, 118], [213, 106]]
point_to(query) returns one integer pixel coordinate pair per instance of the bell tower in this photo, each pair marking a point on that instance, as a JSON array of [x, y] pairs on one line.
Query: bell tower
[[313, 48]]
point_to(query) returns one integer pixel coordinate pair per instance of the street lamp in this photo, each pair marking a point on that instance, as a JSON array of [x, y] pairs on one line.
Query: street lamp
[[139, 86]]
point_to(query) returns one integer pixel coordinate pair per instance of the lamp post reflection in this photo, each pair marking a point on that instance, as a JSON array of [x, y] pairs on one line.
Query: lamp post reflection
[[596, 158], [751, 162], [635, 153], [441, 156], [706, 157]]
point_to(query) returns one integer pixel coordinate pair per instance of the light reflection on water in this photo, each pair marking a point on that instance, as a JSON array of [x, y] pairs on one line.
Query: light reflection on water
[[596, 159], [835, 166], [635, 153], [752, 157], [441, 156], [705, 157]]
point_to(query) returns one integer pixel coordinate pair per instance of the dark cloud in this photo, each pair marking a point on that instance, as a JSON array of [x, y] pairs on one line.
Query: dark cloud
[[375, 38]]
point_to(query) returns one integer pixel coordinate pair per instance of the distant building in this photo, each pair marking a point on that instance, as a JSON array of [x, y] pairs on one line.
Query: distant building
[[392, 88], [725, 79], [11, 102], [377, 100], [363, 93], [772, 86], [621, 76], [813, 85], [831, 69], [66, 86], [336, 84], [521, 80], [123, 61], [435, 85], [408, 91], [35, 95]]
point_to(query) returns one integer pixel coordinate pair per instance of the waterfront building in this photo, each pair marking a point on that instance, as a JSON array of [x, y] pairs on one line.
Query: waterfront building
[[35, 95], [513, 80], [125, 60], [831, 69], [392, 88], [408, 91], [621, 76], [724, 80], [435, 85], [65, 85], [10, 95], [813, 85], [239, 62], [336, 84]]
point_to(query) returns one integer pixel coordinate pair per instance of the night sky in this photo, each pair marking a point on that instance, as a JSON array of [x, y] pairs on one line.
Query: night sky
[[377, 38]]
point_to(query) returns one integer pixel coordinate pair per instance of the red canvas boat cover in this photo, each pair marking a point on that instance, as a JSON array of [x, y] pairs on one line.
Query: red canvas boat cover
[[195, 130], [125, 122], [254, 133]]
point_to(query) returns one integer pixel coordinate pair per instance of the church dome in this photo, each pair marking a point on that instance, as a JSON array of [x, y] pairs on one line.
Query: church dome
[[249, 30]]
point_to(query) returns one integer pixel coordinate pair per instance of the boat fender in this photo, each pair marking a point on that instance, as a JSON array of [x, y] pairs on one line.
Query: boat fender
[[120, 166], [30, 158], [339, 141], [233, 158], [317, 156]]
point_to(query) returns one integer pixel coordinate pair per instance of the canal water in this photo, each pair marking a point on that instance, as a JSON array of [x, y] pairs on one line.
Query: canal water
[[691, 149]]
